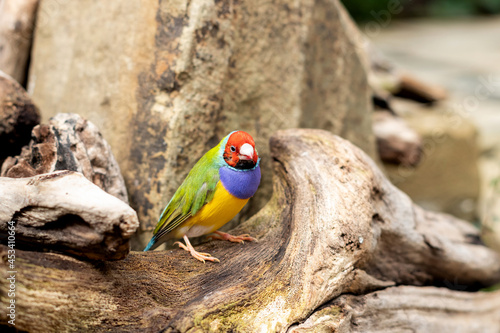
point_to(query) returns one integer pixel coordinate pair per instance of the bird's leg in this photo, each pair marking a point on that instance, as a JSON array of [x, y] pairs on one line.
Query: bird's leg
[[198, 255], [235, 239]]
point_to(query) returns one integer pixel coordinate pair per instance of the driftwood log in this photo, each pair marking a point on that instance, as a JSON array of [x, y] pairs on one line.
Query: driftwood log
[[17, 18], [69, 142], [334, 232], [408, 309], [63, 211]]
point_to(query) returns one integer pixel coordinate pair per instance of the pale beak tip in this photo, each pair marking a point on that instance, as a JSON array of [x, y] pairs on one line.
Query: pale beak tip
[[246, 152]]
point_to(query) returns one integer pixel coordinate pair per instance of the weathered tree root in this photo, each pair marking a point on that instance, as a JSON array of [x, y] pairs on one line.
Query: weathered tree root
[[65, 212], [335, 225], [408, 309]]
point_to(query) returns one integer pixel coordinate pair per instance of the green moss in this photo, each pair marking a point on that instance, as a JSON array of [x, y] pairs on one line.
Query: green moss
[[320, 324], [332, 311], [239, 315]]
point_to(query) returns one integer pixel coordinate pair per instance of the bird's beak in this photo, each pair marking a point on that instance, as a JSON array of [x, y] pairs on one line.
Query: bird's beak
[[246, 152]]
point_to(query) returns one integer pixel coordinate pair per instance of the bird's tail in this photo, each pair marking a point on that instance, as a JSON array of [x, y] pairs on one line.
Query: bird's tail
[[152, 244]]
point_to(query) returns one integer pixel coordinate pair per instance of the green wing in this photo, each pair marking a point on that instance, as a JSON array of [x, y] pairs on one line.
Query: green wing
[[197, 190]]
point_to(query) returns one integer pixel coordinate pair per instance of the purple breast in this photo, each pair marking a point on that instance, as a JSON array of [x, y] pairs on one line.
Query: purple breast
[[241, 183]]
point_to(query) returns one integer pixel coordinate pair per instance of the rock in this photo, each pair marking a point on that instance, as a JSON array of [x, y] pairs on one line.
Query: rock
[[334, 228], [65, 212], [447, 178], [17, 18], [18, 115], [397, 143], [72, 143], [386, 77], [168, 80], [490, 205], [412, 88]]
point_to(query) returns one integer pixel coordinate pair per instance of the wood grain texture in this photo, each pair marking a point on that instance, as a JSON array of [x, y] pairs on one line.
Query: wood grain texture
[[334, 226], [408, 309], [64, 211]]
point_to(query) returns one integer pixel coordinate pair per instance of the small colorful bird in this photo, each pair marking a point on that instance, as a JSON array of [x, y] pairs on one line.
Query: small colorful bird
[[214, 191]]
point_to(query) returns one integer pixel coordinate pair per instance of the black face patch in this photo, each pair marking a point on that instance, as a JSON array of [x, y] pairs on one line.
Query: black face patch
[[244, 164]]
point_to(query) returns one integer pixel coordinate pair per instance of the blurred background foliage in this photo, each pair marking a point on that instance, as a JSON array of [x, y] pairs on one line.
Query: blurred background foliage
[[361, 10]]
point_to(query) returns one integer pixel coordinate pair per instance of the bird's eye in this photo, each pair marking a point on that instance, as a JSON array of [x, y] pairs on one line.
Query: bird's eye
[[233, 148]]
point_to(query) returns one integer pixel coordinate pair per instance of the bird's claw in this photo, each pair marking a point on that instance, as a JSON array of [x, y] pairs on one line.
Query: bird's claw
[[201, 256], [182, 246]]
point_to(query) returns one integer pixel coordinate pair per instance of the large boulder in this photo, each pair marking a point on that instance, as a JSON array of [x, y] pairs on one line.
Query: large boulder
[[168, 79]]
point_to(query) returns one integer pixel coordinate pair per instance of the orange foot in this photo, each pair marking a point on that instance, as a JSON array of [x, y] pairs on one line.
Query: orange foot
[[231, 238], [198, 255]]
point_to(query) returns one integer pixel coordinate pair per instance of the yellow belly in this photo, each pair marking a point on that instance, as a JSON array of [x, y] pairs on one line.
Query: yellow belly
[[223, 207]]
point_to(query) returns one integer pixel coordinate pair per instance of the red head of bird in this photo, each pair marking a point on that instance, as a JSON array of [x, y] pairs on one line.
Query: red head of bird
[[240, 152]]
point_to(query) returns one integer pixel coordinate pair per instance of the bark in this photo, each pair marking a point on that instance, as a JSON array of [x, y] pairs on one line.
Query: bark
[[65, 212], [17, 18], [334, 226], [18, 115], [69, 142]]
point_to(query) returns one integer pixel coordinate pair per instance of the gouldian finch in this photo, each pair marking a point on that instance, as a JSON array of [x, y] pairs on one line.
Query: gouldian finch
[[214, 191]]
